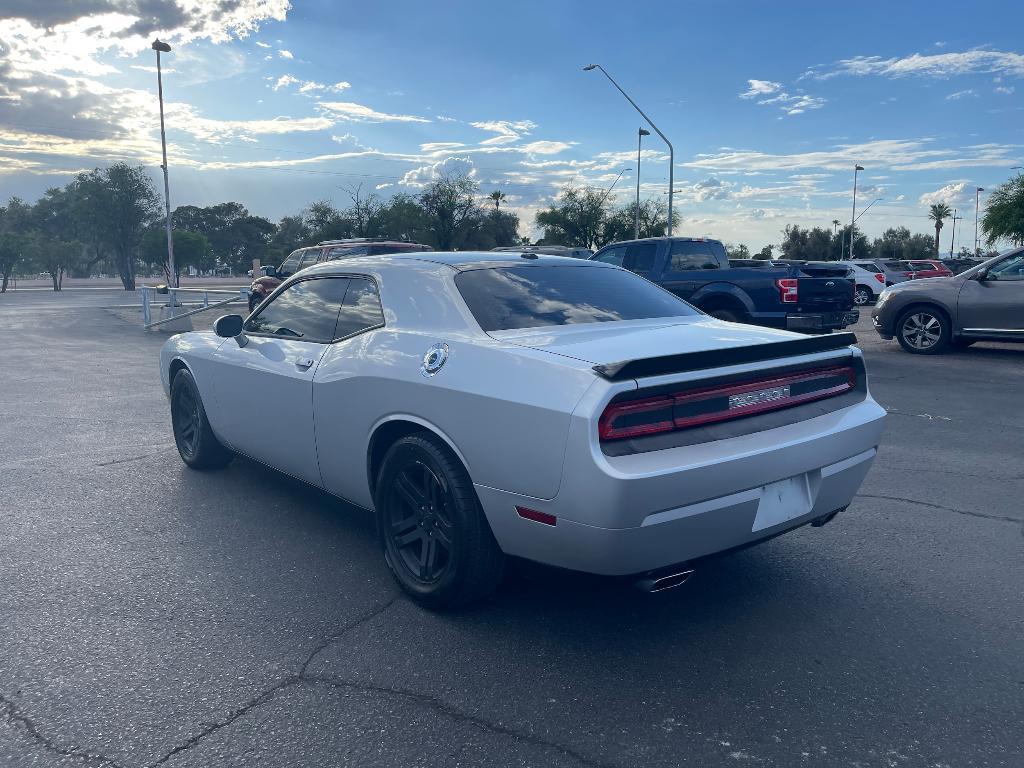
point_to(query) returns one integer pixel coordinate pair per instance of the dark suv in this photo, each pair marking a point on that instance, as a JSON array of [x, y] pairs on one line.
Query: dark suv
[[325, 251]]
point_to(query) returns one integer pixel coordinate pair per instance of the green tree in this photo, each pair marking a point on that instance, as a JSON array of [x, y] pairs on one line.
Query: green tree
[[576, 218], [235, 236], [737, 251], [938, 212], [449, 205], [53, 255], [15, 225], [621, 224], [401, 218], [1004, 213], [765, 253], [291, 233], [325, 222], [191, 249], [491, 229], [121, 201], [497, 197]]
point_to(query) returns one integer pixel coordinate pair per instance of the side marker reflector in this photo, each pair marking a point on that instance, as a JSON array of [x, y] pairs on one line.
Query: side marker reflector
[[537, 517]]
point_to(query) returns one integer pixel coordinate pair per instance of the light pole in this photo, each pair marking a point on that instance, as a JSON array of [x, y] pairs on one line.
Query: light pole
[[977, 201], [609, 190], [162, 47], [639, 140], [952, 233], [671, 152], [853, 215], [842, 246]]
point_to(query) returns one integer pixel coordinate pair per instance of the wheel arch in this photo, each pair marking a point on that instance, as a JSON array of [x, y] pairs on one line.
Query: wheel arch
[[925, 304], [722, 296], [392, 428]]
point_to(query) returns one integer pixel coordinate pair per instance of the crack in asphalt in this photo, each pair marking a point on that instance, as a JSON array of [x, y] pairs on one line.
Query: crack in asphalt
[[268, 693], [14, 716], [999, 518], [441, 707], [421, 699]]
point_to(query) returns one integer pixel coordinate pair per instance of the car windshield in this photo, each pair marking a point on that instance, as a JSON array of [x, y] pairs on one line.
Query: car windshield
[[508, 298]]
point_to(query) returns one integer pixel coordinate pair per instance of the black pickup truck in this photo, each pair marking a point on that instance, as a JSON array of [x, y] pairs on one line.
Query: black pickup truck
[[812, 297]]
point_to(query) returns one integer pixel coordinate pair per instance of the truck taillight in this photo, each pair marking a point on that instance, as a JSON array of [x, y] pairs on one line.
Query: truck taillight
[[708, 405], [880, 277], [789, 293]]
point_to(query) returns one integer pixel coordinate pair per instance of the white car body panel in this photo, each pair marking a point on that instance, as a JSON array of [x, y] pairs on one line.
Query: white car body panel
[[520, 410]]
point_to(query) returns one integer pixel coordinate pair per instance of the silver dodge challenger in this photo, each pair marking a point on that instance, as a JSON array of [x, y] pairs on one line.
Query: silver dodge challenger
[[487, 405]]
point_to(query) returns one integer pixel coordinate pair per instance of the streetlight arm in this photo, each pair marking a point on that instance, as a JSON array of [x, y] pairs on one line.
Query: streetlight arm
[[657, 130], [878, 200]]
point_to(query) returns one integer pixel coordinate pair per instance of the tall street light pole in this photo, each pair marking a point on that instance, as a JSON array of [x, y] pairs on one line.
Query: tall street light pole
[[162, 47], [952, 233], [977, 200], [609, 190], [853, 216], [671, 151], [639, 140]]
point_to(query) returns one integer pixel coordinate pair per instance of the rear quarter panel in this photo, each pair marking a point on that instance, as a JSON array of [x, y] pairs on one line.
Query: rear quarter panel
[[504, 410]]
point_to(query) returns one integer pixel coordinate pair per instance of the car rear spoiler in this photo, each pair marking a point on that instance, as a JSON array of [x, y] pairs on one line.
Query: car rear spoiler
[[717, 358]]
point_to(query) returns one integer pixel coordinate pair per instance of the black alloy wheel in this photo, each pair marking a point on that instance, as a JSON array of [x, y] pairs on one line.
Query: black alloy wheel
[[435, 536], [197, 445]]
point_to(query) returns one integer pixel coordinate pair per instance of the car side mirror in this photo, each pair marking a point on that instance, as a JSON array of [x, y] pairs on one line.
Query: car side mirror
[[981, 276], [230, 327]]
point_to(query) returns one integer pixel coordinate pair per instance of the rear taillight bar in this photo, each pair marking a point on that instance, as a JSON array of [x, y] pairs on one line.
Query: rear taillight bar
[[789, 291], [708, 405], [880, 277]]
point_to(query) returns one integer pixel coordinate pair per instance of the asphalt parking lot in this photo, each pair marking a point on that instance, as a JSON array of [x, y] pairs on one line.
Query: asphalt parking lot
[[151, 615]]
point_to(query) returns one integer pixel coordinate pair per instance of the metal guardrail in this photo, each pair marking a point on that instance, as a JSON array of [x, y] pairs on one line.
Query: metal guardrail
[[150, 291]]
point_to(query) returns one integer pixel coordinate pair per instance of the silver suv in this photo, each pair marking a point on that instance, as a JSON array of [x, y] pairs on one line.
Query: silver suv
[[985, 302]]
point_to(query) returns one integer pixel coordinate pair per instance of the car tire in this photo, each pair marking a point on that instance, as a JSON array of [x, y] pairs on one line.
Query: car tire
[[728, 315], [198, 447], [863, 296], [436, 539], [923, 331]]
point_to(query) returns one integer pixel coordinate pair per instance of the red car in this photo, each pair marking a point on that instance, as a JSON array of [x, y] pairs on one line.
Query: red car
[[929, 268], [326, 251]]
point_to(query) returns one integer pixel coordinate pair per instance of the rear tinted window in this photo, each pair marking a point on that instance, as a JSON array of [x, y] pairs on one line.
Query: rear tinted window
[[530, 297], [361, 309], [693, 254]]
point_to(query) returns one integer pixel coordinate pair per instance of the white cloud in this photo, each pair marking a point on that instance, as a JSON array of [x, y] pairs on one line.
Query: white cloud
[[420, 177], [768, 92], [760, 88], [1006, 90], [307, 87], [939, 65], [358, 113], [954, 194], [261, 44], [880, 154], [961, 94], [285, 54], [546, 147], [505, 131]]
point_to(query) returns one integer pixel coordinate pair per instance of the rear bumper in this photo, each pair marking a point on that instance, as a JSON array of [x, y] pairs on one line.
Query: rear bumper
[[642, 512], [825, 321]]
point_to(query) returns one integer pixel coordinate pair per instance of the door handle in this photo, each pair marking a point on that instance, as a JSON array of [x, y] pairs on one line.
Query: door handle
[[304, 363]]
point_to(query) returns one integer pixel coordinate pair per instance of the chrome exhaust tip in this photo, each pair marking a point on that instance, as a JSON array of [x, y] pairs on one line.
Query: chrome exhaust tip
[[664, 581]]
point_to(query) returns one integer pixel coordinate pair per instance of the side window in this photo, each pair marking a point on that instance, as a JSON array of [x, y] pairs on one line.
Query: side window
[[343, 252], [640, 257], [688, 255], [361, 309], [310, 256], [612, 255], [1009, 269], [306, 310], [289, 265]]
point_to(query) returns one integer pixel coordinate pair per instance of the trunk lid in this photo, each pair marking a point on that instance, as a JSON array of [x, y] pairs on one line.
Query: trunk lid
[[608, 343]]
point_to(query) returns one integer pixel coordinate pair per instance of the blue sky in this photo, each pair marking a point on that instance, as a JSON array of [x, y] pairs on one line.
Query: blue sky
[[769, 106]]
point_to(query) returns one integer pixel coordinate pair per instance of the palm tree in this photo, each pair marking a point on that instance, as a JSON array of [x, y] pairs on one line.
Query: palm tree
[[937, 213], [498, 197], [835, 224]]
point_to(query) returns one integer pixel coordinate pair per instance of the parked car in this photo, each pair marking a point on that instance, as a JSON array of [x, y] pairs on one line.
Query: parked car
[[894, 271], [549, 250], [299, 259], [869, 280], [929, 268], [560, 410], [928, 316], [813, 297]]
